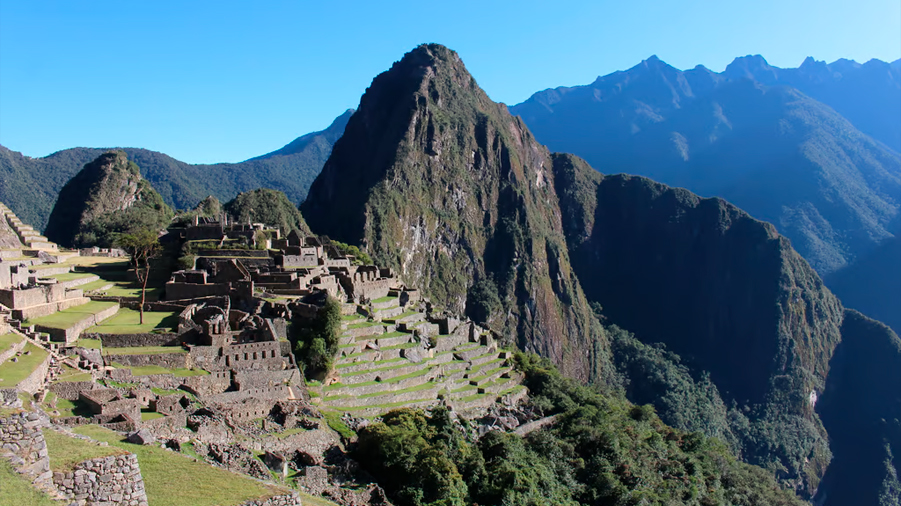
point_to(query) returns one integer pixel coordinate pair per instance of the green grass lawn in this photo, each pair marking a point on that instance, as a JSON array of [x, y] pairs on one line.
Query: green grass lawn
[[11, 373], [65, 452], [16, 489], [69, 317], [176, 480], [69, 276], [72, 374], [7, 340], [94, 285], [383, 299], [91, 344], [67, 407], [127, 321], [150, 415]]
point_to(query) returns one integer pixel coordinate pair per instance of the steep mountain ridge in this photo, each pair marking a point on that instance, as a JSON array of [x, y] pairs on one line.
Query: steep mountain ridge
[[107, 197], [29, 185], [747, 136], [442, 184]]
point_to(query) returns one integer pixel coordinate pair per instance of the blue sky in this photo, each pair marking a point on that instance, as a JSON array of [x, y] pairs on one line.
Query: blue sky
[[224, 81]]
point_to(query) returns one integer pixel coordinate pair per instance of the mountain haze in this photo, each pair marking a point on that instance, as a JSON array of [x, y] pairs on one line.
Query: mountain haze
[[747, 136]]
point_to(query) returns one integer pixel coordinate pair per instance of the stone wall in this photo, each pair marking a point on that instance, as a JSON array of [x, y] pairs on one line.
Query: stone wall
[[11, 352], [70, 334], [106, 481], [264, 379], [292, 499], [167, 360], [266, 355], [35, 380], [22, 442], [75, 299], [212, 384], [133, 340], [71, 390], [180, 291]]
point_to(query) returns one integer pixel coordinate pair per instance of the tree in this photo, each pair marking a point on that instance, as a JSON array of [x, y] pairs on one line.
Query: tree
[[141, 247]]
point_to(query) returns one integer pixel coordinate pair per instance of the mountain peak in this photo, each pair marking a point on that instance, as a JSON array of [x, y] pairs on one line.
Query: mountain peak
[[750, 67]]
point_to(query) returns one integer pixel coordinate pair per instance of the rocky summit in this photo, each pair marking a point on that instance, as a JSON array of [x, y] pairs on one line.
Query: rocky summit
[[444, 185]]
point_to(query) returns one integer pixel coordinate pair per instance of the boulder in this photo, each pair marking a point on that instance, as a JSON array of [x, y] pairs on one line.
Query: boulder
[[141, 437]]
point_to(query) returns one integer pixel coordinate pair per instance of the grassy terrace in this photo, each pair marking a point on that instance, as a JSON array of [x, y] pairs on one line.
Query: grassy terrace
[[69, 276], [364, 324], [414, 374], [384, 299], [401, 316], [11, 373], [70, 374], [95, 285], [91, 344], [66, 451], [69, 317], [386, 361], [17, 489], [7, 340], [126, 321], [176, 480]]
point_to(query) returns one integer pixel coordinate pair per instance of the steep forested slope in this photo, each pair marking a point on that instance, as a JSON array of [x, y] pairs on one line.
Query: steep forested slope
[[107, 197]]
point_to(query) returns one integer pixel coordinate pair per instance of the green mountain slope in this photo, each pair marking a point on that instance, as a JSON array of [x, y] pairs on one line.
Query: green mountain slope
[[107, 197], [29, 185], [270, 207]]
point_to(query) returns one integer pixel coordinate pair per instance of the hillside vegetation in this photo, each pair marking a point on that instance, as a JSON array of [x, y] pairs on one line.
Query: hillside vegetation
[[270, 207], [29, 186], [107, 198]]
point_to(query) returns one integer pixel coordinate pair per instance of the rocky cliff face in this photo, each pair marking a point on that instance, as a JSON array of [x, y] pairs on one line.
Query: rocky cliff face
[[441, 183], [107, 197]]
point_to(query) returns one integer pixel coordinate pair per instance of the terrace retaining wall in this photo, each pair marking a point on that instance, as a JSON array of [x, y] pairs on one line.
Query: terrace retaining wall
[[106, 481], [167, 360], [70, 334], [35, 380], [22, 442], [135, 340], [15, 348]]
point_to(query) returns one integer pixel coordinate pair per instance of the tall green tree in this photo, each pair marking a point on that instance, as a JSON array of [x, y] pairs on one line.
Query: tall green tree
[[141, 247]]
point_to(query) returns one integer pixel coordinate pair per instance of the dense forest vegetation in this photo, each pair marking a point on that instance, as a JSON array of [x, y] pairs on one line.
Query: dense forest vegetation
[[601, 450]]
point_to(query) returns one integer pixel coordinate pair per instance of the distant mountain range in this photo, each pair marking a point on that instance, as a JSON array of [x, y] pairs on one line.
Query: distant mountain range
[[813, 150], [29, 186]]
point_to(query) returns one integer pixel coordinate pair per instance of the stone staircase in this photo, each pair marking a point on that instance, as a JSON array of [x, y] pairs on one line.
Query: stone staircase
[[31, 238], [388, 361]]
